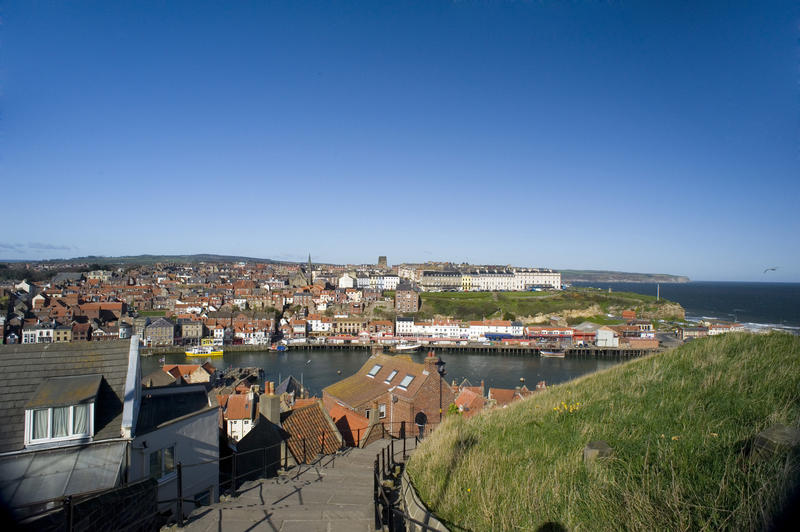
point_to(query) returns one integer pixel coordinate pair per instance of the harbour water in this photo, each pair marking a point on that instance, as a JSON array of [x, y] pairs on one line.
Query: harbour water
[[321, 367], [757, 305]]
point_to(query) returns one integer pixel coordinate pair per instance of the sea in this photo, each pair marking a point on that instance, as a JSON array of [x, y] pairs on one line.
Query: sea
[[757, 306]]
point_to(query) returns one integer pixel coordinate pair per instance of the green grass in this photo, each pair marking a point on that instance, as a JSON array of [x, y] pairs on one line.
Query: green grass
[[680, 423], [478, 305]]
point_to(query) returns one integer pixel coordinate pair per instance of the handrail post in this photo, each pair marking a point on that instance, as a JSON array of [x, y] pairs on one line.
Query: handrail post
[[285, 454], [70, 512], [305, 460], [375, 494], [234, 472], [265, 462], [403, 435], [322, 445], [180, 494]]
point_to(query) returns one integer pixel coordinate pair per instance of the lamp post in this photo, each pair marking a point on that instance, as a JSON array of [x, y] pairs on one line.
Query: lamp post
[[440, 369]]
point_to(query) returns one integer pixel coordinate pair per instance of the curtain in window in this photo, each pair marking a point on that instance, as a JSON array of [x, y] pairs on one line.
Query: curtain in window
[[40, 424], [80, 419], [61, 421]]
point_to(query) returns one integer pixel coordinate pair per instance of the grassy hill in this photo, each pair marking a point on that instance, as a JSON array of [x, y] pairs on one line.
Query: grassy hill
[[478, 305], [679, 422]]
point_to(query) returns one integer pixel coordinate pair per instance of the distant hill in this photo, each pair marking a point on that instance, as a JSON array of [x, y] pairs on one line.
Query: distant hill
[[152, 259], [603, 276]]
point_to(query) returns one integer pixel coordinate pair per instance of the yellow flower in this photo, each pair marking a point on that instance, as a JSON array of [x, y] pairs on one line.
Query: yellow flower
[[714, 434], [662, 435], [468, 490], [675, 438]]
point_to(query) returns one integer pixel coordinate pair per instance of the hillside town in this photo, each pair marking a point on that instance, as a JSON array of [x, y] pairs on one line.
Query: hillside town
[[263, 304]]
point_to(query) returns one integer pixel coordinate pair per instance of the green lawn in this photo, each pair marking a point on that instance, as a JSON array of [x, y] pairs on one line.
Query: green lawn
[[680, 423]]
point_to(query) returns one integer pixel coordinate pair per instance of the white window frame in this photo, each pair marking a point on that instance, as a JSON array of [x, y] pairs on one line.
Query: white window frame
[[390, 377], [381, 411], [374, 371], [29, 440]]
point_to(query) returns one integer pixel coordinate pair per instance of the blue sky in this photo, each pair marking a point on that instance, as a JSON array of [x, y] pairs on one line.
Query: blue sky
[[636, 136]]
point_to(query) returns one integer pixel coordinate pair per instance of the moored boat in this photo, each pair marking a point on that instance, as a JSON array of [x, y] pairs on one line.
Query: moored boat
[[404, 348], [552, 352], [205, 351]]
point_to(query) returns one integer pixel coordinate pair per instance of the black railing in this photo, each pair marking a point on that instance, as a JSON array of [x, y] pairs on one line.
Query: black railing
[[238, 467]]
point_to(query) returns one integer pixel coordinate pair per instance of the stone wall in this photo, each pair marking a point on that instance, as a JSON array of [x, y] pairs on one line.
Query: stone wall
[[415, 508]]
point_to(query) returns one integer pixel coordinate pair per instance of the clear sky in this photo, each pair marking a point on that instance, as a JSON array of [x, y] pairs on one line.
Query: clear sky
[[638, 136]]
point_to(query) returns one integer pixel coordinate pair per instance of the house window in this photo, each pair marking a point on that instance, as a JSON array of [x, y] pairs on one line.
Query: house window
[[390, 377], [59, 423], [406, 381], [375, 369], [162, 462], [381, 411]]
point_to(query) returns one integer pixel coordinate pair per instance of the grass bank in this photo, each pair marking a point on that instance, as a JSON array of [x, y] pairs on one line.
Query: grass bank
[[679, 423], [478, 305]]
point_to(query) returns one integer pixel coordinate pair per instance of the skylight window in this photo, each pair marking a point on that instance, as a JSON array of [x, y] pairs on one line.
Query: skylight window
[[406, 381], [375, 369], [390, 377]]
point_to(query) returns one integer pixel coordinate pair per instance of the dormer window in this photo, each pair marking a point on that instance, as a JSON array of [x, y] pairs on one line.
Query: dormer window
[[405, 382], [374, 371], [390, 377], [62, 409]]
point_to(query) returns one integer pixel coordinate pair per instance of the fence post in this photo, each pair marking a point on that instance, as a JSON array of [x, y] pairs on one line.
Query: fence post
[[69, 511], [285, 455], [383, 430], [180, 494], [265, 462], [304, 451], [322, 445]]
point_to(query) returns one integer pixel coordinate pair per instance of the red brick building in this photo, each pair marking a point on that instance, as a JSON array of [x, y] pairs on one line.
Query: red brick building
[[392, 389]]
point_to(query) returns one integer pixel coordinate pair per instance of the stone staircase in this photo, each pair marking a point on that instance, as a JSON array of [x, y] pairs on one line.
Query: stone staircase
[[333, 494]]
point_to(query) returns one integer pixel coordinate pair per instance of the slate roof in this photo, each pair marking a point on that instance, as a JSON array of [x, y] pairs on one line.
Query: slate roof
[[361, 388], [24, 367], [289, 385], [156, 410]]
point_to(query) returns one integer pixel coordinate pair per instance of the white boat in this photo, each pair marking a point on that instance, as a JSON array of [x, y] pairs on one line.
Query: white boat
[[405, 348]]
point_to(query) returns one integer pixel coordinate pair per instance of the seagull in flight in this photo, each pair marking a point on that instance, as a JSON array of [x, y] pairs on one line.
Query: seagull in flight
[[771, 269]]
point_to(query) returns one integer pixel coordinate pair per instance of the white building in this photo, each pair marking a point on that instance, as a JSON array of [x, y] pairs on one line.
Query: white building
[[440, 329], [404, 327], [347, 281], [606, 337]]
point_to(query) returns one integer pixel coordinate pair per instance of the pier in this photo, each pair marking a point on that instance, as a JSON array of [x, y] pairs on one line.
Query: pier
[[509, 350]]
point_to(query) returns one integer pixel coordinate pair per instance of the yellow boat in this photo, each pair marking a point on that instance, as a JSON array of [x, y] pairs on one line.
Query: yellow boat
[[208, 349]]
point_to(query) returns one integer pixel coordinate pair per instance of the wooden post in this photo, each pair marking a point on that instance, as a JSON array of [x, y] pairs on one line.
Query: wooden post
[[234, 473], [304, 451]]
